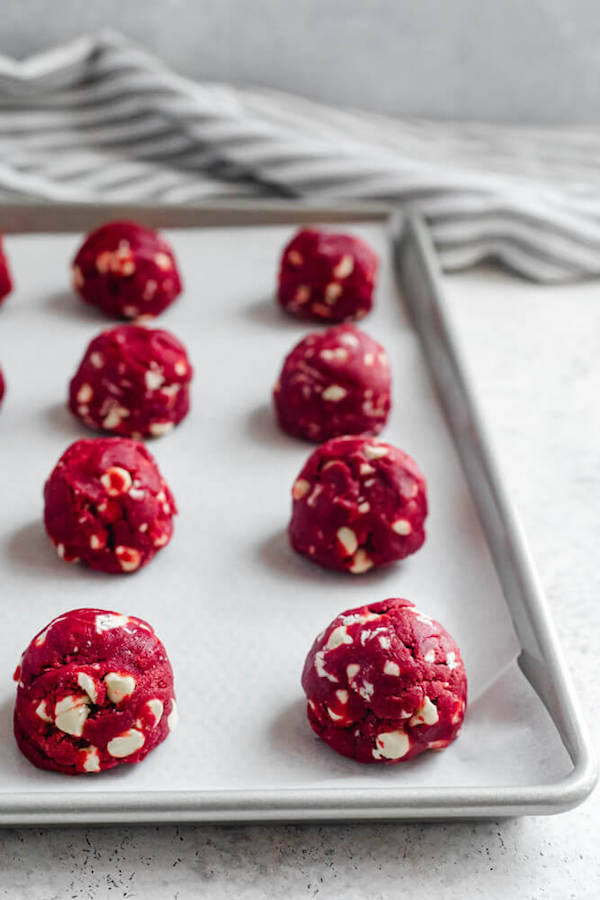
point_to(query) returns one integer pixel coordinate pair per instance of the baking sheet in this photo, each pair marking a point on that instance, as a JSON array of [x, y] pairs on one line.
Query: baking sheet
[[236, 609]]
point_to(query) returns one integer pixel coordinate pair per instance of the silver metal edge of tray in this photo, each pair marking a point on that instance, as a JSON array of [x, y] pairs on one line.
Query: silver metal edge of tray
[[540, 660]]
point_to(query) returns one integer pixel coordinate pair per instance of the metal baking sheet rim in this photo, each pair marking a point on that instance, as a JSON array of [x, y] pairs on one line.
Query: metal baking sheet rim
[[540, 660]]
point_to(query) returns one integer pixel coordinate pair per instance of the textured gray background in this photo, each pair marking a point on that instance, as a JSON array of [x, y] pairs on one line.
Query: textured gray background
[[505, 60]]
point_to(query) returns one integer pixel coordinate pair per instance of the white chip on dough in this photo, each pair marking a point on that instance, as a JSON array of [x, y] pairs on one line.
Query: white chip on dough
[[391, 745], [347, 539], [126, 743], [118, 686]]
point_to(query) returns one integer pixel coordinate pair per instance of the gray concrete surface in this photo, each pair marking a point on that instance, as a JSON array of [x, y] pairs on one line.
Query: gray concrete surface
[[497, 60], [534, 353]]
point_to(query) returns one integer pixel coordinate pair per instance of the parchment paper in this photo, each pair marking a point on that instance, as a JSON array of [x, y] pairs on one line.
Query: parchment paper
[[235, 607]]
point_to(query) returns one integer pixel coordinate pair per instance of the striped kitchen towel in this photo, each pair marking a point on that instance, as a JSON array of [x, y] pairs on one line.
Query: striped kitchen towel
[[100, 119]]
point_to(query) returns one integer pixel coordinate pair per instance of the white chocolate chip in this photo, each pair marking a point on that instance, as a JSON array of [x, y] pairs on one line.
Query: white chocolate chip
[[106, 621], [457, 714], [300, 489], [332, 292], [150, 289], [338, 637], [361, 562], [60, 549], [369, 359], [153, 379], [118, 686], [117, 481], [359, 617], [366, 690], [320, 309], [171, 390], [320, 666], [86, 683], [156, 708], [338, 354], [41, 711], [402, 526], [97, 542], [302, 294], [125, 744], [334, 393], [342, 697], [437, 745], [429, 656], [391, 745], [451, 660], [114, 417], [295, 258], [92, 760], [180, 368], [163, 261], [129, 558], [352, 671], [70, 714], [426, 714], [391, 668], [366, 469], [345, 267], [349, 339], [364, 508], [367, 633], [372, 451], [131, 312], [348, 540], [334, 716], [173, 717], [159, 428], [84, 394]]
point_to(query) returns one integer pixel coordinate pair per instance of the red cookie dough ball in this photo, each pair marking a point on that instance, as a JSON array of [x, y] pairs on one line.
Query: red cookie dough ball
[[107, 505], [327, 277], [333, 383], [95, 691], [385, 683], [126, 270], [358, 503], [133, 381], [5, 279]]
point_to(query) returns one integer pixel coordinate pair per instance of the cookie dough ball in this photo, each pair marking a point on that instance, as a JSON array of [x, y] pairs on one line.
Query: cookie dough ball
[[333, 383], [327, 277], [132, 381], [5, 279], [358, 503], [107, 505], [127, 270], [384, 683], [95, 691]]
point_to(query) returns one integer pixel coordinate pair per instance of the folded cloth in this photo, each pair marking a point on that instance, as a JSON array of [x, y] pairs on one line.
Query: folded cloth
[[101, 120]]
